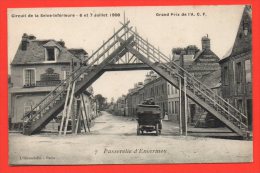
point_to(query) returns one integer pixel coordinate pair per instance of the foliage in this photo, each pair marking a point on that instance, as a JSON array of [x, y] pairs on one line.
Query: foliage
[[178, 50], [101, 101]]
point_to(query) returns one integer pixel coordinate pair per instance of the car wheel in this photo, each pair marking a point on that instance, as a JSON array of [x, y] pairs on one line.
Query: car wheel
[[157, 129], [138, 130]]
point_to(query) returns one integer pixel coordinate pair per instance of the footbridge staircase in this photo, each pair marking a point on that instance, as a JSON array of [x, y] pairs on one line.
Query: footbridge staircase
[[126, 46]]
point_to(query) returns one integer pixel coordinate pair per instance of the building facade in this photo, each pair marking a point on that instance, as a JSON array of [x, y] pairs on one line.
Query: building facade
[[203, 64], [154, 87], [37, 68], [120, 107], [236, 68]]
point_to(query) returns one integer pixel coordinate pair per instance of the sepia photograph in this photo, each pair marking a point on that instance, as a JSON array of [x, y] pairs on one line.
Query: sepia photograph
[[130, 85]]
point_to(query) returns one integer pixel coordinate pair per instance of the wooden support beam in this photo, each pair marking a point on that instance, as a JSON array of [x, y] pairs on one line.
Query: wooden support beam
[[78, 119], [183, 112], [64, 113], [185, 107], [69, 108], [180, 108], [84, 120], [73, 116], [85, 112]]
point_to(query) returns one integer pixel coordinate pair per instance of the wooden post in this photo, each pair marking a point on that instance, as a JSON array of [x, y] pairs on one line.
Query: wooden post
[[78, 120], [180, 107], [183, 106], [114, 40], [69, 108], [73, 116], [64, 114], [85, 112], [84, 120]]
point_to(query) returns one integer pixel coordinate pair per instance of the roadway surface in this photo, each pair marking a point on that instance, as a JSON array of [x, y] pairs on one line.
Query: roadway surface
[[113, 140]]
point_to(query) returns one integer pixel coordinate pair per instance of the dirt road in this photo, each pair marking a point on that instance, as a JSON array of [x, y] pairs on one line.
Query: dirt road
[[113, 140]]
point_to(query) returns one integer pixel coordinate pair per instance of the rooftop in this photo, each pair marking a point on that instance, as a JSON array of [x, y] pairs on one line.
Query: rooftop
[[35, 51]]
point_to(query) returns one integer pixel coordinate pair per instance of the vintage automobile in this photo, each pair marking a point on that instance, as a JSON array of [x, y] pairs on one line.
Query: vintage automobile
[[149, 118]]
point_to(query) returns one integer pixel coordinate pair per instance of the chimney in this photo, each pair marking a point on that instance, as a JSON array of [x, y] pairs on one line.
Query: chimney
[[31, 37], [24, 41], [205, 42], [191, 50], [62, 43], [140, 83], [181, 59]]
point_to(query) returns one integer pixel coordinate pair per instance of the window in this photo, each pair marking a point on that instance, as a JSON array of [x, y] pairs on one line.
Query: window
[[245, 27], [177, 107], [169, 108], [225, 75], [28, 105], [248, 71], [152, 92], [51, 53], [240, 35], [173, 108], [238, 72], [240, 105], [162, 88], [29, 77], [66, 74]]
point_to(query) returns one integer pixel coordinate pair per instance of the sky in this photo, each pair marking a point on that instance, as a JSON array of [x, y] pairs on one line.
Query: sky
[[152, 23]]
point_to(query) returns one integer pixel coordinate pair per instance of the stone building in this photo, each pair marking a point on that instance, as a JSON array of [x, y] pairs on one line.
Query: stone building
[[134, 97], [154, 87], [202, 64], [37, 68], [120, 106], [10, 85], [173, 102], [236, 67]]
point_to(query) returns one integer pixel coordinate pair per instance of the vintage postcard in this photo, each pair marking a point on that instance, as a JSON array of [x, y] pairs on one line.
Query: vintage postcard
[[130, 85]]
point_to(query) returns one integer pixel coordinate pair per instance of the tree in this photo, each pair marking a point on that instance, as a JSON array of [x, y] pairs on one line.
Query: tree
[[101, 101], [112, 100], [177, 50]]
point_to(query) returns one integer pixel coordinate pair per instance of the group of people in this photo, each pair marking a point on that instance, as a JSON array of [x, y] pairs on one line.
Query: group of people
[[148, 102]]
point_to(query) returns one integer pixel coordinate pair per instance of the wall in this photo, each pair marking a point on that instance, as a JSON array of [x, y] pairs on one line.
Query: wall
[[235, 92], [17, 72], [20, 100], [173, 102]]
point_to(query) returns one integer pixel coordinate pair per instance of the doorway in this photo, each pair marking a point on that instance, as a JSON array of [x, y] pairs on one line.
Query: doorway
[[249, 113], [192, 112]]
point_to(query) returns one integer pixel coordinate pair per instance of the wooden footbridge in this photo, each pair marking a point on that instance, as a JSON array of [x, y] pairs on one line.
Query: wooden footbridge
[[127, 50]]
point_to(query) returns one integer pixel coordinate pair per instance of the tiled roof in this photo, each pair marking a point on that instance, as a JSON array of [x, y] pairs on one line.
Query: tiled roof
[[228, 53], [197, 55], [247, 10], [77, 51], [35, 52], [52, 43]]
